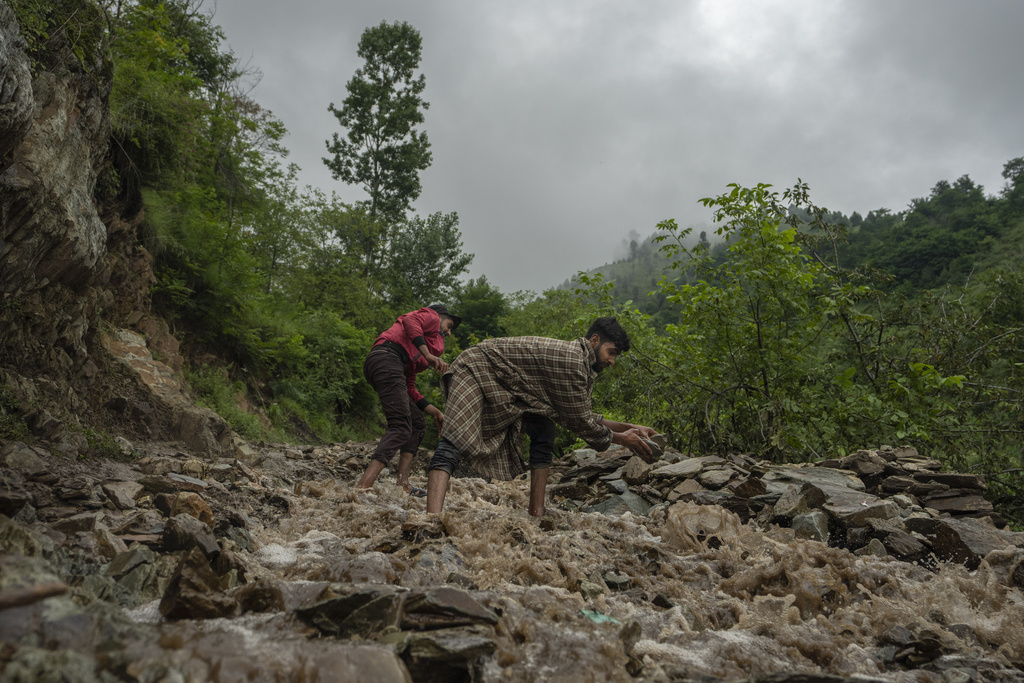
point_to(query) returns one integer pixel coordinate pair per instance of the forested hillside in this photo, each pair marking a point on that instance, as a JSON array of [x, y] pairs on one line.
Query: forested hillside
[[802, 332], [786, 331]]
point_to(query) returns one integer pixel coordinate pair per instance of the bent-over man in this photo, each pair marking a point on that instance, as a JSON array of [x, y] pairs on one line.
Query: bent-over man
[[503, 387]]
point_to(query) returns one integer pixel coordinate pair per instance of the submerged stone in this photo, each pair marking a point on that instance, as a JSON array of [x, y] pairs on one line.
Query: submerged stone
[[443, 608], [363, 612], [620, 504]]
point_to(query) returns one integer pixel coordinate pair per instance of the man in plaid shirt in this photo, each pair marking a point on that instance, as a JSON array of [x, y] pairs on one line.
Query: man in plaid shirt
[[502, 387]]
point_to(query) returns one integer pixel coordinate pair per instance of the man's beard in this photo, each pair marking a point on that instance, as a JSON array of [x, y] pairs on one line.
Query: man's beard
[[598, 366]]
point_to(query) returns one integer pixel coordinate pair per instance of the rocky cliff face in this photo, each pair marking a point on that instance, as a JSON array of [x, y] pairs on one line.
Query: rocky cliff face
[[75, 330]]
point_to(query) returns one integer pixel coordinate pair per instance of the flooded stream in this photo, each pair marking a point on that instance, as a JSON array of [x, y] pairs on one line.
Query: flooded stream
[[483, 592]]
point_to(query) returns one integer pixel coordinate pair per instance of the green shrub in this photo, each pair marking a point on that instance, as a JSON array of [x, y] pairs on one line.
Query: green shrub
[[216, 392], [12, 425]]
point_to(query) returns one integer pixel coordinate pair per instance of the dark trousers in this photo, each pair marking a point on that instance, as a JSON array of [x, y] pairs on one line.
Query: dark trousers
[[385, 372], [539, 428]]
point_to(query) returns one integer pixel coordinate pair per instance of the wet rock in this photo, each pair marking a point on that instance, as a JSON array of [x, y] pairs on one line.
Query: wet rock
[[85, 521], [953, 480], [738, 506], [194, 591], [684, 469], [778, 478], [965, 541], [590, 590], [853, 509], [108, 545], [714, 478], [656, 444], [230, 569], [811, 525], [454, 654], [620, 504], [461, 581], [76, 489], [956, 503], [445, 559], [267, 595], [964, 633], [575, 488], [364, 612], [591, 471], [122, 493], [19, 456], [636, 472], [264, 595], [683, 489], [661, 600], [158, 484], [798, 500], [616, 485], [865, 464], [12, 501], [189, 503], [617, 581], [896, 484], [137, 573], [874, 548], [746, 487], [443, 608], [184, 532], [187, 483], [144, 522]]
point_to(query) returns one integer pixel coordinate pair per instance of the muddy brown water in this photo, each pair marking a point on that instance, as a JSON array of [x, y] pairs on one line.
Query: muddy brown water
[[688, 593], [740, 603]]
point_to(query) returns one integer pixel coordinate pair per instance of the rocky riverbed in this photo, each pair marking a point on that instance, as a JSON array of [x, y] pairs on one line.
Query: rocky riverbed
[[164, 567]]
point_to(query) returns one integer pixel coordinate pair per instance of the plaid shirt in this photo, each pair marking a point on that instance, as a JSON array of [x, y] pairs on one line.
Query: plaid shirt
[[496, 381]]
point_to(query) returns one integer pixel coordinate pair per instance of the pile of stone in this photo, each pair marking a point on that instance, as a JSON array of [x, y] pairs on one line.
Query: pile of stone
[[892, 501]]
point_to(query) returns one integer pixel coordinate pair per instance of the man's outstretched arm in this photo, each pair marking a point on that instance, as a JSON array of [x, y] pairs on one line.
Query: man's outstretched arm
[[630, 435]]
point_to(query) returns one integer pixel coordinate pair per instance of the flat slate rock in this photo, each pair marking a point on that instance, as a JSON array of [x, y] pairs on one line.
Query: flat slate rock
[[775, 478]]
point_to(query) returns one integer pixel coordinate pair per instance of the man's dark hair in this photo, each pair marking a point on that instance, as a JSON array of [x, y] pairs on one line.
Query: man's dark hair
[[609, 330]]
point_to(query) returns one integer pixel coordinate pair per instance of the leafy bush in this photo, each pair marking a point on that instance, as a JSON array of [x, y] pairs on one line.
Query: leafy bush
[[12, 425], [218, 393]]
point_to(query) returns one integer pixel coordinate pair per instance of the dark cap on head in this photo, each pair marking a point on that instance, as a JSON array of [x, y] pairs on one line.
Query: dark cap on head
[[441, 310]]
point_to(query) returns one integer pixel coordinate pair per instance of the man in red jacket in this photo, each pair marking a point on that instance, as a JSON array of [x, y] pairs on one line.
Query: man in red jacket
[[414, 343]]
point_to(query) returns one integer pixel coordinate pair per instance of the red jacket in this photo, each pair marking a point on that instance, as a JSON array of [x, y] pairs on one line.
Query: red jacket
[[410, 331]]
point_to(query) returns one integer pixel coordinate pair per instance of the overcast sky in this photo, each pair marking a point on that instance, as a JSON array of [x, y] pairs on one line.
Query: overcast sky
[[557, 128]]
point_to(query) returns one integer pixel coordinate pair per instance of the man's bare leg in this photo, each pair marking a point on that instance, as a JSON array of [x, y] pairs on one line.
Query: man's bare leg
[[538, 490], [370, 475], [404, 465], [437, 489]]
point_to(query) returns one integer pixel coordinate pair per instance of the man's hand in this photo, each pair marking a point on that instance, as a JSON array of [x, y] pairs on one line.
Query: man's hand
[[436, 362], [646, 432], [633, 440], [434, 412]]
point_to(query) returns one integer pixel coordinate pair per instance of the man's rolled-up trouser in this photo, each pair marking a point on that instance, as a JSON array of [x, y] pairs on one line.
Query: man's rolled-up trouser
[[539, 428]]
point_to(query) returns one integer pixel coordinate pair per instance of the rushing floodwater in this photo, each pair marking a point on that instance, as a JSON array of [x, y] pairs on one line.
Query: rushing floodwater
[[687, 592]]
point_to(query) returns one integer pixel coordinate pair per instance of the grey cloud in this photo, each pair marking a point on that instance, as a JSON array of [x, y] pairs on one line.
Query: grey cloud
[[557, 128]]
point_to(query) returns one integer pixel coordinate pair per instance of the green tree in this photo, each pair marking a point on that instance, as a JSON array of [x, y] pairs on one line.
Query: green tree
[[425, 260], [482, 306], [382, 150]]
